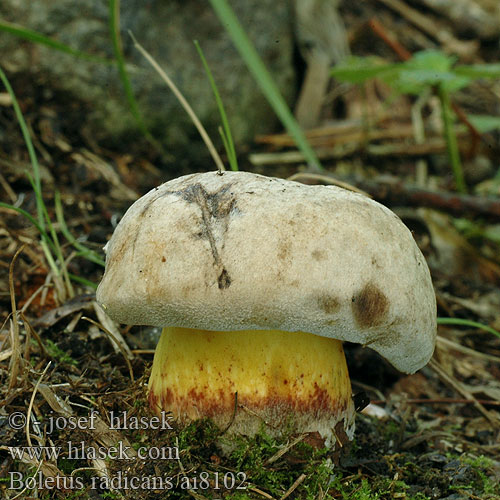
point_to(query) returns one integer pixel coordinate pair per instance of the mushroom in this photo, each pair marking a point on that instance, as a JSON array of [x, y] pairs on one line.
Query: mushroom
[[256, 282]]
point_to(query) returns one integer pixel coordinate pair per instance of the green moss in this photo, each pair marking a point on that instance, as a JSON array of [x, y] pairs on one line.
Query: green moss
[[56, 352], [483, 471]]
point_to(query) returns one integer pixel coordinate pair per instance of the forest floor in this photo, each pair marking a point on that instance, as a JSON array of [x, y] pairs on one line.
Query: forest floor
[[431, 435]]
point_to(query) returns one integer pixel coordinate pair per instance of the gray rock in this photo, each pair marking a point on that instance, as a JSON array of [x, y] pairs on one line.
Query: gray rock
[[167, 30]]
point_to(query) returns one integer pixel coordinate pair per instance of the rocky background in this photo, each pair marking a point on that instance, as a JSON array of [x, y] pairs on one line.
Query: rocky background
[[167, 30]]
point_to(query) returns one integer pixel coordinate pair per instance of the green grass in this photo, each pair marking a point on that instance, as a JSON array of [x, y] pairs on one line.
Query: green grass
[[49, 239], [35, 37], [263, 78], [225, 131], [114, 28], [243, 45], [466, 322]]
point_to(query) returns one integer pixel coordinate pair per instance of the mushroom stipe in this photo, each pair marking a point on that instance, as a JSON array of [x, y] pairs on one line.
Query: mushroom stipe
[[236, 267], [196, 374]]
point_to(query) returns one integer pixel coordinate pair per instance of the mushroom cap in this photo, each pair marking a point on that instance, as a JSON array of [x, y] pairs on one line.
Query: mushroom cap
[[240, 251]]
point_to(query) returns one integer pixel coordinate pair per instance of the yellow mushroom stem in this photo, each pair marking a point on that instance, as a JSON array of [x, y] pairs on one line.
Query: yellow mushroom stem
[[280, 378]]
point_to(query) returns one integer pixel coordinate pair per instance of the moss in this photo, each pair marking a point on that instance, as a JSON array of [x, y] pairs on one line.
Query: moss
[[374, 466], [56, 352]]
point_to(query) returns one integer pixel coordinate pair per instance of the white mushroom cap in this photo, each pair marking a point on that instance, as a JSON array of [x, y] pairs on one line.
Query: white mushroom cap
[[238, 251]]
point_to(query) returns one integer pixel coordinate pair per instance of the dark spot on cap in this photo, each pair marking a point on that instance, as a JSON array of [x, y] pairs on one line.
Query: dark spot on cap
[[163, 259], [369, 306], [318, 255], [224, 280], [328, 303]]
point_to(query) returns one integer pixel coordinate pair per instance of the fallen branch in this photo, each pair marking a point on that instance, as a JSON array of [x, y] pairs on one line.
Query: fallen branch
[[394, 192]]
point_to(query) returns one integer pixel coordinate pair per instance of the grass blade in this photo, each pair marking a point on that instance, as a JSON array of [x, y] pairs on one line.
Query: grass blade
[[182, 100], [35, 37], [467, 322], [114, 27], [451, 139], [49, 243], [37, 183], [227, 137], [29, 217], [263, 78], [82, 281], [84, 251]]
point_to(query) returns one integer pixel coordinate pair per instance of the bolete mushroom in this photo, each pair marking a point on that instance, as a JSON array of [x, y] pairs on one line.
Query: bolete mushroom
[[257, 281]]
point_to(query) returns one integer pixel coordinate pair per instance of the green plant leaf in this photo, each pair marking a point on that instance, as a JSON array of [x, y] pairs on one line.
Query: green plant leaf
[[360, 69], [429, 68], [431, 60], [415, 81], [479, 70], [425, 69], [485, 123]]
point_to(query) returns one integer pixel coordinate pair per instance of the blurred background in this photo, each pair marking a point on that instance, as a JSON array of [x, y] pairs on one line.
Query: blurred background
[[397, 99]]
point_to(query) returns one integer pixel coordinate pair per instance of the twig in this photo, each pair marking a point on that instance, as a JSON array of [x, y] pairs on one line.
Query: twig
[[10, 192], [30, 406], [261, 493], [5, 353], [392, 191], [346, 147], [434, 365], [33, 332], [340, 133], [467, 350], [438, 401], [476, 136], [285, 449], [301, 176], [431, 28], [15, 342], [110, 325], [382, 33], [294, 486], [116, 341], [233, 416]]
